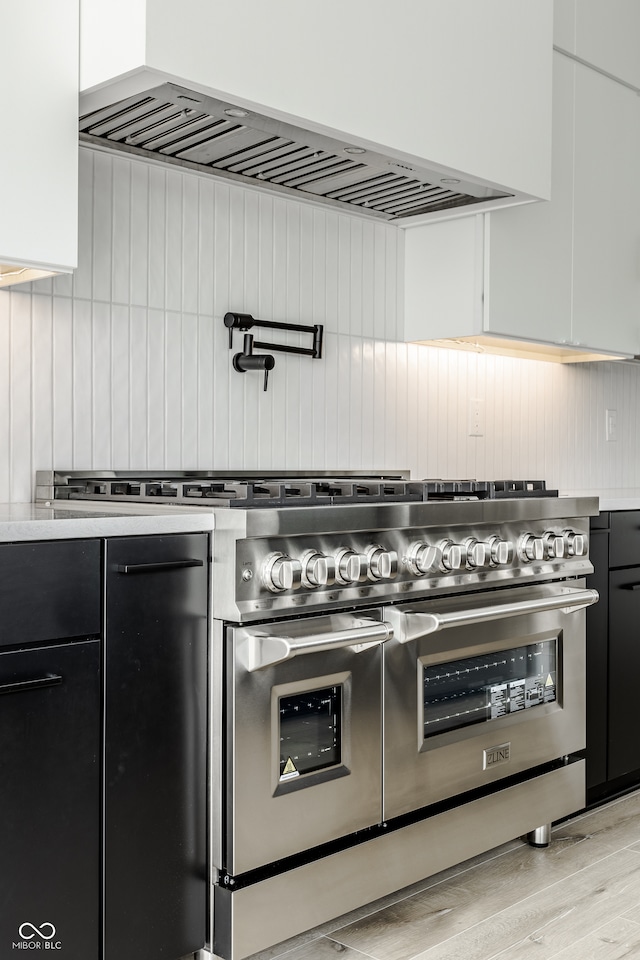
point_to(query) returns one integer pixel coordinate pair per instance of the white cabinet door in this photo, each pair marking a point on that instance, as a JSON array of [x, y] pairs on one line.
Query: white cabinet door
[[39, 130], [529, 248], [444, 280], [606, 288]]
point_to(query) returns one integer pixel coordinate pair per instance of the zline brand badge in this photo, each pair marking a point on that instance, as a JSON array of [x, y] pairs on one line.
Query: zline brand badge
[[36, 938]]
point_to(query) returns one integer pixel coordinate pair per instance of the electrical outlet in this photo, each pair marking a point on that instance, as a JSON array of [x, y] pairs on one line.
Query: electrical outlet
[[476, 417], [611, 425]]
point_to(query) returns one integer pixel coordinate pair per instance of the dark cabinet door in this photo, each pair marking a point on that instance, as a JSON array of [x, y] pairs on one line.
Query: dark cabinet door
[[624, 669], [597, 618], [155, 747], [50, 800]]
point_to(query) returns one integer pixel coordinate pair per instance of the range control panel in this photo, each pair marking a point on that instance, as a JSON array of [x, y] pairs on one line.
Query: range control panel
[[335, 568]]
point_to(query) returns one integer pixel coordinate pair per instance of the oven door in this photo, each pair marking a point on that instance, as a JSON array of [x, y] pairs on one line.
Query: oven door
[[303, 735], [480, 688]]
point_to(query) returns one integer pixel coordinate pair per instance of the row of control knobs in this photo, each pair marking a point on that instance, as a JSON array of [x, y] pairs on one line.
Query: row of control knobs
[[346, 567]]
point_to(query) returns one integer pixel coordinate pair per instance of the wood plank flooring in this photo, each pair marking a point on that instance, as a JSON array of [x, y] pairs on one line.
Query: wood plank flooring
[[578, 899]]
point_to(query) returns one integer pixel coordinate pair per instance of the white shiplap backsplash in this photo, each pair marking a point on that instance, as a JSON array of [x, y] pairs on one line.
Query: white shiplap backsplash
[[126, 364]]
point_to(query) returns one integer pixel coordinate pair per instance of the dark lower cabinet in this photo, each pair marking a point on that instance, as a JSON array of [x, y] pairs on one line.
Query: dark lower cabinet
[[597, 618], [155, 832], [613, 656], [50, 800], [624, 670]]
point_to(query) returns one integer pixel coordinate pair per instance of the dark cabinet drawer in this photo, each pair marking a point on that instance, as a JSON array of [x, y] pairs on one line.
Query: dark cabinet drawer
[[625, 538], [49, 590]]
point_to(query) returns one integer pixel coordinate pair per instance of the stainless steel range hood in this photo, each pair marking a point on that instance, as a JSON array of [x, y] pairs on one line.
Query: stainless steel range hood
[[184, 127]]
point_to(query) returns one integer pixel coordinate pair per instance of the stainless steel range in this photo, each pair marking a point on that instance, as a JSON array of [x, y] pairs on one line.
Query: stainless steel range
[[397, 679]]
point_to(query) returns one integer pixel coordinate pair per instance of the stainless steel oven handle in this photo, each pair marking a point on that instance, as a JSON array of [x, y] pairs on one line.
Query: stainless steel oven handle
[[425, 623], [264, 650]]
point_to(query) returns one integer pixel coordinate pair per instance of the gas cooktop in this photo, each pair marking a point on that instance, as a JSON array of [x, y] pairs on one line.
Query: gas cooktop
[[217, 489]]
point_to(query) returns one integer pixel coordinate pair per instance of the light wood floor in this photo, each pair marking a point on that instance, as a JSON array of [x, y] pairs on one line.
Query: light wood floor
[[578, 899]]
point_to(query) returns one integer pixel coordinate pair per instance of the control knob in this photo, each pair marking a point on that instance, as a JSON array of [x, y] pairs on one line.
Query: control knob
[[351, 567], [280, 572], [553, 546], [478, 553], [501, 551], [454, 555], [531, 548], [576, 543], [383, 564], [422, 557], [317, 570]]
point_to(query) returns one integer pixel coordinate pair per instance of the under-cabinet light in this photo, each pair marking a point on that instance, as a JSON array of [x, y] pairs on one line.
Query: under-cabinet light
[[523, 349]]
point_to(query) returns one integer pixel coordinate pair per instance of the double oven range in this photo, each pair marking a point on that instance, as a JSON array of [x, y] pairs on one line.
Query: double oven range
[[397, 681]]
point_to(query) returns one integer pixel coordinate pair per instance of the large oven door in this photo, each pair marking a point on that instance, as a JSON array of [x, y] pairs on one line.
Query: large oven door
[[481, 688], [303, 735]]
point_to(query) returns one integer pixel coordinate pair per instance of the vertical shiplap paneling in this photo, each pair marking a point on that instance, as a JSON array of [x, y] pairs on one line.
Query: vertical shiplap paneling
[[140, 229], [156, 237], [82, 278], [173, 240], [205, 394], [190, 413], [102, 263], [173, 388], [83, 386], [62, 373], [347, 442], [190, 234], [319, 276], [361, 276], [352, 347], [127, 364], [156, 385], [139, 394], [374, 294], [205, 246], [329, 434], [42, 378], [102, 434], [21, 425], [391, 424], [121, 232], [121, 379], [344, 321]]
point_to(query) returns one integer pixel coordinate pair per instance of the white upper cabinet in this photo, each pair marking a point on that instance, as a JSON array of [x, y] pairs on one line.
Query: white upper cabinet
[[604, 34], [606, 236], [39, 157], [463, 87], [529, 249], [558, 279]]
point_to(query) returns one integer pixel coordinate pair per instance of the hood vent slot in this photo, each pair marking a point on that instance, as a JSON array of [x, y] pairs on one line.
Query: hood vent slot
[[190, 129]]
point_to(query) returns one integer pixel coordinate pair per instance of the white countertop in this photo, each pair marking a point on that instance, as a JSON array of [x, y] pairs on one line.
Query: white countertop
[[625, 498], [35, 521]]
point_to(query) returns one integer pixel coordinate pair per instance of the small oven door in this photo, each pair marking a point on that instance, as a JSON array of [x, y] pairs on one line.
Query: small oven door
[[303, 735], [480, 688]]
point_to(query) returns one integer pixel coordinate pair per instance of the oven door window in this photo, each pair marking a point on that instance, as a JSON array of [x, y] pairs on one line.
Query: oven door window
[[310, 731], [478, 689]]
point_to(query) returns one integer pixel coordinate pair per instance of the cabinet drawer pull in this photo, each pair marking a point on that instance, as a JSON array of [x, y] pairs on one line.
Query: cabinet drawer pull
[[631, 586], [50, 680], [158, 567]]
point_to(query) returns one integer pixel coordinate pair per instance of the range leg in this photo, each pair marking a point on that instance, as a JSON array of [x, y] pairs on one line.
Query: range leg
[[541, 836]]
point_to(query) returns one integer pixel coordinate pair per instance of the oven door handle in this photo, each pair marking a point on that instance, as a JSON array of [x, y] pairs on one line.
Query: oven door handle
[[264, 650], [417, 624]]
